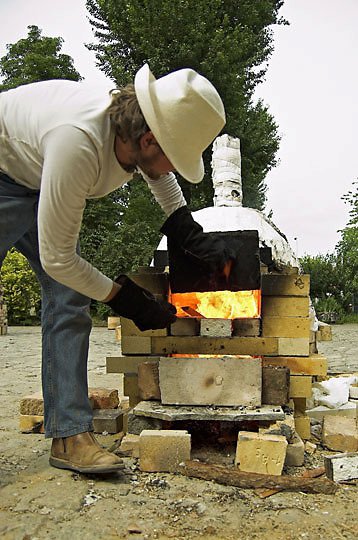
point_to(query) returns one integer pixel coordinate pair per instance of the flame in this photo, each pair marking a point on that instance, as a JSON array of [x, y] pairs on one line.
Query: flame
[[219, 304]]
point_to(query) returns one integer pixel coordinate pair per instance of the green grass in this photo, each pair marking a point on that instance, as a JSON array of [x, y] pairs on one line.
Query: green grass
[[349, 318], [98, 321]]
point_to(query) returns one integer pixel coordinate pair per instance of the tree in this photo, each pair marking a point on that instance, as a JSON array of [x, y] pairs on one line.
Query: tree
[[35, 58], [336, 275], [229, 42], [323, 273], [351, 198], [21, 289], [114, 235], [347, 250]]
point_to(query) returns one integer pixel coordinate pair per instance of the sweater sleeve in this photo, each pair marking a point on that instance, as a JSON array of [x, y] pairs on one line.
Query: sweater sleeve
[[70, 169], [166, 191]]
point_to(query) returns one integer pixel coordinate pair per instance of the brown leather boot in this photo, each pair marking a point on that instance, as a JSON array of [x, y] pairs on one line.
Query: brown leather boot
[[82, 453]]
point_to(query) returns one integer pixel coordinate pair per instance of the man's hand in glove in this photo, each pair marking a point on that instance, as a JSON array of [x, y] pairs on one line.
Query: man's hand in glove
[[139, 305], [211, 253]]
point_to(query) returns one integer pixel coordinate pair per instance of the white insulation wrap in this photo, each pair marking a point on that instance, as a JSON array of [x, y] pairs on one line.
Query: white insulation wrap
[[226, 166]]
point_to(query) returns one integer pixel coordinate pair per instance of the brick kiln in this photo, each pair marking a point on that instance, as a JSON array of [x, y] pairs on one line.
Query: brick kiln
[[242, 349]]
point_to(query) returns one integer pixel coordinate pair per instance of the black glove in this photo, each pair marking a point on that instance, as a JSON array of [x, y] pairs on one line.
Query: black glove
[[185, 233], [139, 305]]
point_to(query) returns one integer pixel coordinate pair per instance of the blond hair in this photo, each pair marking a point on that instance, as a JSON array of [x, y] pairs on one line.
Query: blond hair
[[126, 116]]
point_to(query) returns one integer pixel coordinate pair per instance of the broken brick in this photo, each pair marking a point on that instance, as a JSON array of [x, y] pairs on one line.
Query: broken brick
[[103, 398]]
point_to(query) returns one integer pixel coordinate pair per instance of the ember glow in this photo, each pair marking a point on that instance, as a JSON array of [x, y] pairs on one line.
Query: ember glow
[[218, 304]]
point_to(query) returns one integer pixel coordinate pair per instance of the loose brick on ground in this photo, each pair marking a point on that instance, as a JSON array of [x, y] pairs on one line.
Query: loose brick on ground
[[30, 423], [104, 398], [130, 445], [295, 453], [340, 433], [108, 420], [163, 451], [100, 398], [260, 452], [32, 404], [342, 467]]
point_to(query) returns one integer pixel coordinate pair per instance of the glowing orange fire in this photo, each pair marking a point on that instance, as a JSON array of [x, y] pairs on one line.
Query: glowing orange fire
[[218, 304]]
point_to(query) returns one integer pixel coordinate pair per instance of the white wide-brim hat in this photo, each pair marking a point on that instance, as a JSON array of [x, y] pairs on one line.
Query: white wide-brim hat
[[184, 112]]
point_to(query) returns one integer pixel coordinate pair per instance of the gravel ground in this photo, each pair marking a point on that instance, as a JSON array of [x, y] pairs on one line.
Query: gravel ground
[[40, 502]]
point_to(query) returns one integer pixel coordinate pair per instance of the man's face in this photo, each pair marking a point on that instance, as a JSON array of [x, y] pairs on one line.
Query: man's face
[[152, 161]]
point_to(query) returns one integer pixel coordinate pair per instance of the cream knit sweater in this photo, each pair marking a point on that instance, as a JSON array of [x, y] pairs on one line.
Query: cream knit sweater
[[55, 136]]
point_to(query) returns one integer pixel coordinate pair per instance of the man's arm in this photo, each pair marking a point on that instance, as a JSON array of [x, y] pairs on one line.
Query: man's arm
[[166, 192], [70, 169]]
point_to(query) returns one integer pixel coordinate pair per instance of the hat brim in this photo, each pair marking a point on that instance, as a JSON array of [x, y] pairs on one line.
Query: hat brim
[[193, 170]]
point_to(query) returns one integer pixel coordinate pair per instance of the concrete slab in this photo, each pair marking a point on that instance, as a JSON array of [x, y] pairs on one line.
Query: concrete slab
[[171, 413]]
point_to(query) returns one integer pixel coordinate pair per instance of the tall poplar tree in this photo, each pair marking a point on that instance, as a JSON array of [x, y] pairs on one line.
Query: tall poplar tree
[[228, 41]]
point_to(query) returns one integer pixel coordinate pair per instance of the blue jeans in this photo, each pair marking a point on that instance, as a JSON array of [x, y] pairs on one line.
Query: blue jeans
[[65, 318]]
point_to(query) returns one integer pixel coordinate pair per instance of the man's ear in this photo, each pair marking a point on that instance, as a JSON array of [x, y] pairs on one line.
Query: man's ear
[[147, 140]]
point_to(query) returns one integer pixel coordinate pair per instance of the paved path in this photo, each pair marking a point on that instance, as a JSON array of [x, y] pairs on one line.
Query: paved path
[[20, 351], [342, 351]]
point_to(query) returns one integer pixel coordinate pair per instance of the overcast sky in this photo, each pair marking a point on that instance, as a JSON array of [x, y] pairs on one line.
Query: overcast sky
[[311, 89]]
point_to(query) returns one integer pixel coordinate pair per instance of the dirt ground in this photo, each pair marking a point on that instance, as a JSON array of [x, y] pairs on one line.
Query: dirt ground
[[41, 502]]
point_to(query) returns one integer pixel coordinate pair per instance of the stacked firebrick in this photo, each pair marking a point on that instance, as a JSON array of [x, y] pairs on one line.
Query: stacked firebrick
[[224, 370], [109, 411]]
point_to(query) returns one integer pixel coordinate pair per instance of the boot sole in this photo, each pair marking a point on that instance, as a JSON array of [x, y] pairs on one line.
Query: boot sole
[[99, 469]]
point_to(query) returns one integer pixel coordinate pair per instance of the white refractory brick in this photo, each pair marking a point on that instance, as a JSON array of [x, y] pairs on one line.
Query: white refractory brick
[[349, 410], [227, 381], [260, 452], [164, 450], [216, 327], [342, 467]]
